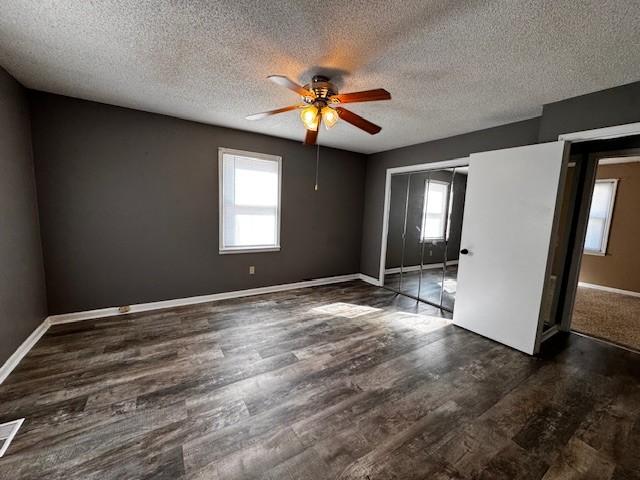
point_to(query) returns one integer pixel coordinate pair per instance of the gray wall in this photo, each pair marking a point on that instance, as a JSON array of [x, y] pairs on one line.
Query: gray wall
[[512, 135], [129, 199], [22, 287], [614, 106], [433, 252], [129, 207]]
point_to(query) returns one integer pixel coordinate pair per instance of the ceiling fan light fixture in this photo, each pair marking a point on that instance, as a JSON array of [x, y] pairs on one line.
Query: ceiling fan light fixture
[[314, 125], [329, 116], [320, 102], [309, 116]]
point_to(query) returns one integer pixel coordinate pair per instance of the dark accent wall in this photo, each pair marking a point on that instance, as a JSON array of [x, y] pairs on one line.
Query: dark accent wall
[[22, 287], [614, 106], [129, 207], [511, 135]]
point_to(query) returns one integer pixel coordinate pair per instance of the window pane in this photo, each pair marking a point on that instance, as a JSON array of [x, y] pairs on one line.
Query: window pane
[[433, 227], [434, 210], [436, 200], [254, 230], [250, 191], [601, 198], [256, 183], [599, 215], [595, 234]]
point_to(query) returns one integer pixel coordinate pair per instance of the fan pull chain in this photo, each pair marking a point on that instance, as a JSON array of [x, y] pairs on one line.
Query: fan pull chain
[[317, 165]]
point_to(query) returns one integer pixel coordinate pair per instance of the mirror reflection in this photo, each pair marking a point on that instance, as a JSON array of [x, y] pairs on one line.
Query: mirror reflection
[[423, 241]]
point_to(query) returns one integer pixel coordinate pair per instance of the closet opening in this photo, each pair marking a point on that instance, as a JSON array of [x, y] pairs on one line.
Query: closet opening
[[425, 207]]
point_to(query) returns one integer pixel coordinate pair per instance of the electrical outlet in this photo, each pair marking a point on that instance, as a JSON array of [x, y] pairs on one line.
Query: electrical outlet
[[252, 270]]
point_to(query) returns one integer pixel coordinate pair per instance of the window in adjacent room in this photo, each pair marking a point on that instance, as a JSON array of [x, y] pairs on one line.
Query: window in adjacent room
[[434, 210], [604, 194], [249, 186]]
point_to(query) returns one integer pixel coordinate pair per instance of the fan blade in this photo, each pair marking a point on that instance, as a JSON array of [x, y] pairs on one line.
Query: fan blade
[[259, 116], [312, 135], [365, 96], [285, 82], [357, 121]]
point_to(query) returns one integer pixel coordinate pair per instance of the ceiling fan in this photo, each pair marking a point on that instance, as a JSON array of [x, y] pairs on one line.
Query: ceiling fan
[[321, 103]]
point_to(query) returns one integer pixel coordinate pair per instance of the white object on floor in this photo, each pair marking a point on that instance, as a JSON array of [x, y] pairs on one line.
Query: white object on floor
[[449, 285], [7, 432]]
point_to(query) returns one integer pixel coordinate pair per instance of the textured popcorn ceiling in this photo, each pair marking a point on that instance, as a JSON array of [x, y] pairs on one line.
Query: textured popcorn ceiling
[[451, 66]]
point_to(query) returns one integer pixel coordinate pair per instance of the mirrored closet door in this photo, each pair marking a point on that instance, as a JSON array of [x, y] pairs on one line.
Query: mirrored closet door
[[423, 240], [394, 267]]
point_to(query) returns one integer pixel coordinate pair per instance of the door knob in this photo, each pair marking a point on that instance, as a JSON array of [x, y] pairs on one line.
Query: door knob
[[464, 251]]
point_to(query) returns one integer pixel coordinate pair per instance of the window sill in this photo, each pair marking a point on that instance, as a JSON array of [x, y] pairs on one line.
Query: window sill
[[597, 254], [227, 251]]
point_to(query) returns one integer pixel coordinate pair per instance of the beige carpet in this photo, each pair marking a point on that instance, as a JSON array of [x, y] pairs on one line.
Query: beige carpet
[[609, 316]]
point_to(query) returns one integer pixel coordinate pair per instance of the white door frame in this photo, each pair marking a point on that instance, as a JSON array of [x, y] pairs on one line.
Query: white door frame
[[607, 133], [456, 162]]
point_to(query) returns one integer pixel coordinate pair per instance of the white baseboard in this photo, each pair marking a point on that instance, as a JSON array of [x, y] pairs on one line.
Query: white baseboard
[[13, 361], [179, 302], [370, 280], [28, 344], [609, 289], [415, 268]]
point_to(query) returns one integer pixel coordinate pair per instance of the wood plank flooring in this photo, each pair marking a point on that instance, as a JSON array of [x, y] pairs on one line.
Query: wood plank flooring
[[343, 382]]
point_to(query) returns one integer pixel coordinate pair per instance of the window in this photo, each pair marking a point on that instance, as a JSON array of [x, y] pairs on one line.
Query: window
[[604, 194], [434, 210], [249, 186]]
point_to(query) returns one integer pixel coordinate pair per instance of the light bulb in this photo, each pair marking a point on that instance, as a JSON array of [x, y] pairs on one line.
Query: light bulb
[[309, 117], [329, 116]]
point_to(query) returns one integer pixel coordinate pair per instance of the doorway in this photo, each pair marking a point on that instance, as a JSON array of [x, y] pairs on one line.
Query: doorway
[[423, 220], [601, 267], [515, 285], [607, 299]]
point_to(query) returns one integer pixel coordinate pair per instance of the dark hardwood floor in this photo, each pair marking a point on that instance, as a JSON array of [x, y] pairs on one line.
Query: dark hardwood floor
[[344, 381]]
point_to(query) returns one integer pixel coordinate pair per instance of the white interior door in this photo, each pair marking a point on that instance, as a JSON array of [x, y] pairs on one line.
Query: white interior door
[[509, 222]]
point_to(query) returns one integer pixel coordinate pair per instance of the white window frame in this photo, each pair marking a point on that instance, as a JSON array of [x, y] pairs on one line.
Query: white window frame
[[445, 222], [607, 224], [251, 249]]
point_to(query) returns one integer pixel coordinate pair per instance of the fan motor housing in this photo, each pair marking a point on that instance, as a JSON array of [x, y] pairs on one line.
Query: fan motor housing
[[323, 88]]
